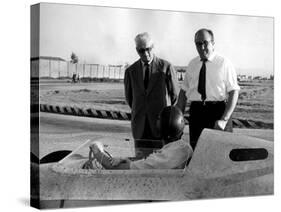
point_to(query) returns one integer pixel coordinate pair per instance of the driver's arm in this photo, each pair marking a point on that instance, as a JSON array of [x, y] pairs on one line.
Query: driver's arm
[[106, 161]]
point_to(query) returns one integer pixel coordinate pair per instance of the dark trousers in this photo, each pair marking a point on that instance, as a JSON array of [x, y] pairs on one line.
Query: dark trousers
[[204, 115], [147, 133], [147, 143]]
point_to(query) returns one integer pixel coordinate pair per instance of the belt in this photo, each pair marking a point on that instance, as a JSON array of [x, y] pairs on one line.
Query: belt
[[207, 102]]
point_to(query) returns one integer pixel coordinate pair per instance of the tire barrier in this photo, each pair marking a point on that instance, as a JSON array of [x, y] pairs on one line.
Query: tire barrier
[[253, 124], [90, 112], [119, 115]]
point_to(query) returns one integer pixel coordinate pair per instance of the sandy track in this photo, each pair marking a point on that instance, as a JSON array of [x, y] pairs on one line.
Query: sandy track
[[255, 99]]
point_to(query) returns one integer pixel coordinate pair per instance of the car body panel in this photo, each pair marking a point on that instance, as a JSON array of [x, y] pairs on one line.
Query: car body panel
[[210, 174]]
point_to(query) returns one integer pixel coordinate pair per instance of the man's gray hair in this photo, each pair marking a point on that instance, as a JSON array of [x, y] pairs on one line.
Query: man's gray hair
[[143, 37]]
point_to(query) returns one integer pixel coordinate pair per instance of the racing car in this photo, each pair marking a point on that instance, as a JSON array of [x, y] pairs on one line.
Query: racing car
[[223, 165]]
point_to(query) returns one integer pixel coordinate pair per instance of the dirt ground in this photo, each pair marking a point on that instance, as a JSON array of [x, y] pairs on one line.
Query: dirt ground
[[255, 98], [256, 101]]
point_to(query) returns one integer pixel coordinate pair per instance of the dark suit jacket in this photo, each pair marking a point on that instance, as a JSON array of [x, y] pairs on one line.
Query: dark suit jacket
[[162, 91]]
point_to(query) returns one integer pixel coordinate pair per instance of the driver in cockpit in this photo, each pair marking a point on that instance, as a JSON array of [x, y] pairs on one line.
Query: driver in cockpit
[[174, 154]]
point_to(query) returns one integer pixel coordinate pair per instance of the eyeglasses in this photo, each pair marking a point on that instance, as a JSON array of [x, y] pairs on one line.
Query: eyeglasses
[[205, 43], [143, 50]]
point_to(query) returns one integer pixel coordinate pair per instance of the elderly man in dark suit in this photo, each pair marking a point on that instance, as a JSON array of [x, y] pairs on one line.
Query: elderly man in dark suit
[[150, 85]]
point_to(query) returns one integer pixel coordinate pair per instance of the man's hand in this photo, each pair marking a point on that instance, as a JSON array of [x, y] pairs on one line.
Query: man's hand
[[220, 124], [96, 147], [88, 165]]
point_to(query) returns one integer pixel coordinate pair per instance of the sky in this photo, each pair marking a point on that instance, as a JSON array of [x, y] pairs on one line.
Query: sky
[[105, 35]]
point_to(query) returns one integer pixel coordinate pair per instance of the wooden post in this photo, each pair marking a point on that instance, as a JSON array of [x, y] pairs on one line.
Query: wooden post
[[49, 68], [120, 70], [90, 70], [59, 69], [67, 69]]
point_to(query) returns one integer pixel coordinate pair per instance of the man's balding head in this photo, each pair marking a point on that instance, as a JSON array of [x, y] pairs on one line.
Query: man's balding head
[[204, 41]]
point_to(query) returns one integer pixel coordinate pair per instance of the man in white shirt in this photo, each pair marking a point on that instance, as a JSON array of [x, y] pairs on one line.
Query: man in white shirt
[[175, 153], [210, 84]]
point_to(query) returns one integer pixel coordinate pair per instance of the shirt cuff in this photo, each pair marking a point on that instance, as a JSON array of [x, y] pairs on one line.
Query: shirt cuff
[[236, 88]]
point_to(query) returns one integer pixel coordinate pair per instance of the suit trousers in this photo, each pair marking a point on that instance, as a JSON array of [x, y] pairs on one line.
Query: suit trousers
[[147, 143], [204, 115]]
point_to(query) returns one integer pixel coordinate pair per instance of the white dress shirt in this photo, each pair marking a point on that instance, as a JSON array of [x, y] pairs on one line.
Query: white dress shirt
[[221, 78], [172, 156]]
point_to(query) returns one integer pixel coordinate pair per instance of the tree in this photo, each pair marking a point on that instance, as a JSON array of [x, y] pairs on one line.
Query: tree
[[74, 58]]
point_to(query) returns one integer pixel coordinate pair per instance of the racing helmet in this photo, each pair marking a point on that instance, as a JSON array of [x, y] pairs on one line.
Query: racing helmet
[[171, 123]]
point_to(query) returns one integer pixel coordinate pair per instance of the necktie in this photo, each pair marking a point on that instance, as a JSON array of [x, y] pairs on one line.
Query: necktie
[[146, 75], [202, 81]]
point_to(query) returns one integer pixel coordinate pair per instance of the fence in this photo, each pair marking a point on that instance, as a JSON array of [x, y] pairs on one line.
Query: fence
[[48, 68], [44, 68]]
